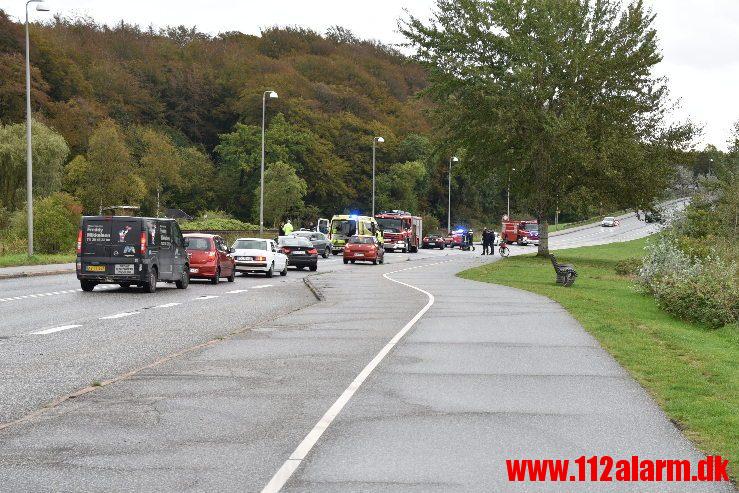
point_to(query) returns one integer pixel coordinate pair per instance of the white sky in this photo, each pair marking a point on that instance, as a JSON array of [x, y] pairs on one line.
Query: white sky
[[699, 38]]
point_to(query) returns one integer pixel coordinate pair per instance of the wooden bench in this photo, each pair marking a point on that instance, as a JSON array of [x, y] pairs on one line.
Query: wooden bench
[[566, 273]]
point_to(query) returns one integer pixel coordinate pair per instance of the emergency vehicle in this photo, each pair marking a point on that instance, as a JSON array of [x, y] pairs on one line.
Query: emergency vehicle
[[344, 226], [521, 232], [401, 230]]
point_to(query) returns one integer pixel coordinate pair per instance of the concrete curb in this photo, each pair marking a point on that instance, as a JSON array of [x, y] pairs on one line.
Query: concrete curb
[[36, 274], [314, 289]]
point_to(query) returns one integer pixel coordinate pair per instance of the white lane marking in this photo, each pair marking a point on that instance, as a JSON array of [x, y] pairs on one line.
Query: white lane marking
[[262, 286], [293, 462], [206, 297], [235, 291], [167, 305], [55, 329], [119, 315]]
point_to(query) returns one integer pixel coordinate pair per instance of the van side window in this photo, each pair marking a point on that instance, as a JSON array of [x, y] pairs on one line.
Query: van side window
[[177, 235]]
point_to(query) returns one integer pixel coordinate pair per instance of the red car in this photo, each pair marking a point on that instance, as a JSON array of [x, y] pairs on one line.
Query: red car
[[209, 257], [364, 249]]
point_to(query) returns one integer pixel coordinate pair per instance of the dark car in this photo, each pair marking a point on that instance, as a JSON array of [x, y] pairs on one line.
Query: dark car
[[433, 241], [210, 257], [319, 241], [653, 216], [131, 251], [300, 252]]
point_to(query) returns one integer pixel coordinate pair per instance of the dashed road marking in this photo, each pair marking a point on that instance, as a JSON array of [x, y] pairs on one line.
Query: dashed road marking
[[167, 305], [236, 291], [50, 293], [119, 315], [262, 286], [206, 297], [55, 329]]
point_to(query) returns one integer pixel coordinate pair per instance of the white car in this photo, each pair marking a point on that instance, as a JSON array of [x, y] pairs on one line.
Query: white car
[[257, 255], [609, 222]]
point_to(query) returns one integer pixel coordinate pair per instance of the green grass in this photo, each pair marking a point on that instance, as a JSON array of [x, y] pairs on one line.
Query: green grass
[[692, 372], [16, 259]]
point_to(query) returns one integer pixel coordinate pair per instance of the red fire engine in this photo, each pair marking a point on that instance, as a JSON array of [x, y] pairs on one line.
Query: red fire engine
[[521, 232], [401, 230]]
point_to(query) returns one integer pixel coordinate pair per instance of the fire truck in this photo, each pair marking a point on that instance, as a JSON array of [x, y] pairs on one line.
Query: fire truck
[[521, 232], [401, 230]]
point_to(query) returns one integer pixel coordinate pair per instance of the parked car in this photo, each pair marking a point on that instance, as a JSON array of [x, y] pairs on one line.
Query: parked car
[[319, 241], [300, 252], [609, 222], [433, 241], [131, 251], [364, 249], [210, 257], [257, 255], [652, 216]]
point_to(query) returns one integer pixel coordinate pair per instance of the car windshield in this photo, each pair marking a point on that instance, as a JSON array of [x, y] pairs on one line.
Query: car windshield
[[609, 219], [532, 227], [390, 225], [294, 241], [362, 240], [250, 245], [303, 234], [346, 227], [192, 243]]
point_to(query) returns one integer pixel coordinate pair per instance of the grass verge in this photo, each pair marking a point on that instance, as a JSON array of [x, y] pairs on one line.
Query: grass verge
[[17, 259], [692, 372]]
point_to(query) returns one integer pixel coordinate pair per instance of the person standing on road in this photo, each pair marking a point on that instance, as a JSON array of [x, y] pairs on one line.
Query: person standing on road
[[485, 241], [288, 228]]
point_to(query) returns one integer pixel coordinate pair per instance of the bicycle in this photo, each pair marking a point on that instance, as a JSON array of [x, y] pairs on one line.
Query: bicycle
[[503, 250]]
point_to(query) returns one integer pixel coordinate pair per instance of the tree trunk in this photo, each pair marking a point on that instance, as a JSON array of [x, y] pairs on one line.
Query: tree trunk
[[543, 238]]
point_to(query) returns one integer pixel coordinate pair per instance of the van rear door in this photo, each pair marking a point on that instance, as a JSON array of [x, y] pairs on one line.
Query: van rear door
[[109, 241]]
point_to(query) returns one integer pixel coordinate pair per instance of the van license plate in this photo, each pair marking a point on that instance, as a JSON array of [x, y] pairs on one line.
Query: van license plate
[[124, 269], [95, 268]]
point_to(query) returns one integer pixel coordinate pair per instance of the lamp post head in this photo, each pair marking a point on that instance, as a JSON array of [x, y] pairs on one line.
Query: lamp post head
[[379, 140], [272, 94], [41, 7], [455, 159]]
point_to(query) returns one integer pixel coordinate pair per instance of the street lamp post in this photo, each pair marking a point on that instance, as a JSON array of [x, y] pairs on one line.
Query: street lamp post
[[508, 188], [452, 159], [273, 95], [29, 153], [375, 141]]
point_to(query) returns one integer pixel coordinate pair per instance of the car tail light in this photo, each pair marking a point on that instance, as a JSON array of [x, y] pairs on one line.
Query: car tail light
[[312, 251], [286, 250], [79, 241], [142, 244]]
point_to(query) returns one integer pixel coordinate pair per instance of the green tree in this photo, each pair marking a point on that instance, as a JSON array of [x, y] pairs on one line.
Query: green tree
[[400, 187], [283, 193], [160, 166], [555, 89], [106, 176], [50, 151]]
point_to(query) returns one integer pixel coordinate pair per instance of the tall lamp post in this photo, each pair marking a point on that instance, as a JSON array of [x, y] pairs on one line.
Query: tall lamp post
[[272, 95], [508, 188], [29, 152], [453, 159], [375, 141]]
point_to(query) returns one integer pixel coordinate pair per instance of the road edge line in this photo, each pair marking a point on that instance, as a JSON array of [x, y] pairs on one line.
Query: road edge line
[[285, 472]]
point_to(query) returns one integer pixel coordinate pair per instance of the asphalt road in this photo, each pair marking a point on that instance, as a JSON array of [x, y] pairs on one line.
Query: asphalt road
[[405, 378]]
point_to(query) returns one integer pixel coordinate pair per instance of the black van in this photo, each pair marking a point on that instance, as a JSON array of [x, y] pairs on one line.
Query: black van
[[131, 251]]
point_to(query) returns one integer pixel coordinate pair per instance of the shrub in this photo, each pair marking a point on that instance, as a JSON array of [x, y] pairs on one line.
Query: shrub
[[628, 266], [703, 291], [56, 219], [217, 221], [711, 297]]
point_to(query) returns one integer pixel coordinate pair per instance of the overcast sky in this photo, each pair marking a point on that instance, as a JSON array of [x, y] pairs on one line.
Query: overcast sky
[[699, 38]]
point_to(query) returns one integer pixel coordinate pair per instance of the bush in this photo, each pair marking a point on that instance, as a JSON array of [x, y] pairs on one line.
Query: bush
[[703, 291], [217, 221], [56, 219], [628, 266]]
